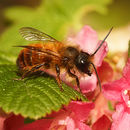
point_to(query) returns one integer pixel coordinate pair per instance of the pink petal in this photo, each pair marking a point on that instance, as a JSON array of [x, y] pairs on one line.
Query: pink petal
[[103, 123], [13, 122], [88, 83], [42, 124], [70, 124], [82, 126], [105, 72], [80, 109], [74, 117], [61, 120], [102, 52], [113, 90], [119, 89], [76, 124], [126, 97], [121, 119], [101, 108], [87, 39], [2, 119], [126, 71]]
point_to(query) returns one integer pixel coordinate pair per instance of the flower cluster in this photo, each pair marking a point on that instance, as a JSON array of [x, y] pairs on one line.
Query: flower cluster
[[109, 109], [119, 90]]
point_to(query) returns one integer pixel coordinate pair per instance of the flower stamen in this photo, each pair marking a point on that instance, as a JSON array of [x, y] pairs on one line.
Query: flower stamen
[[129, 103], [125, 92]]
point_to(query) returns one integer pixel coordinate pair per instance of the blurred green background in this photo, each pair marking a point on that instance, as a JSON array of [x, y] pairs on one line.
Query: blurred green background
[[62, 17]]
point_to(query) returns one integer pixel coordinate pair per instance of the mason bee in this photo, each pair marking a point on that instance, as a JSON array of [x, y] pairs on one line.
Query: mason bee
[[54, 55]]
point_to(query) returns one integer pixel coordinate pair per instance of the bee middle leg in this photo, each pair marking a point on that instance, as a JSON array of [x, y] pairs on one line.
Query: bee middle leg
[[58, 77], [76, 78]]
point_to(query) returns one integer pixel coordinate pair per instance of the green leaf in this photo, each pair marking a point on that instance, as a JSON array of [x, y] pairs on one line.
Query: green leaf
[[32, 97], [129, 50], [6, 58], [110, 106]]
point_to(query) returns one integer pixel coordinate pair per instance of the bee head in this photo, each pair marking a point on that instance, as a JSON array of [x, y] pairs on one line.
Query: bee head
[[82, 62]]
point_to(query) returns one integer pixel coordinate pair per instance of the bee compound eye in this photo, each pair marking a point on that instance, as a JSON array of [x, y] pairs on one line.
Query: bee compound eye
[[82, 61]]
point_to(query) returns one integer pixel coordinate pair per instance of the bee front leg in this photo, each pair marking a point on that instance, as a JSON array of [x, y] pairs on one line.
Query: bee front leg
[[76, 78], [58, 77]]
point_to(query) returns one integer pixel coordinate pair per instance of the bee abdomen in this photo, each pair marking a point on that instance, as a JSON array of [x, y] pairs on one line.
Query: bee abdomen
[[24, 59], [21, 60], [28, 58]]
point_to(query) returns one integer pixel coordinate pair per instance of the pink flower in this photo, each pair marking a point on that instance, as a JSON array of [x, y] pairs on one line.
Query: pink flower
[[103, 123], [105, 72], [71, 118], [119, 90], [10, 121], [101, 108], [121, 118], [42, 124], [88, 41], [13, 122], [3, 117]]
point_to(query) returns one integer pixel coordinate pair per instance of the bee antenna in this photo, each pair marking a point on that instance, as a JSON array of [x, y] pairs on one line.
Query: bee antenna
[[96, 75], [102, 42]]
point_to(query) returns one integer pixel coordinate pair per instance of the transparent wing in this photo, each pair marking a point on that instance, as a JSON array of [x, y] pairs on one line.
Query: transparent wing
[[41, 50], [31, 34]]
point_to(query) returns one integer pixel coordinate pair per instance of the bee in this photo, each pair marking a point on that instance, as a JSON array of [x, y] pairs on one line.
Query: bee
[[52, 54]]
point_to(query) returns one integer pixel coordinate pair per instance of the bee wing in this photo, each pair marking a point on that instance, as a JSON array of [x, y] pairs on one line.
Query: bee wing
[[40, 50], [31, 34]]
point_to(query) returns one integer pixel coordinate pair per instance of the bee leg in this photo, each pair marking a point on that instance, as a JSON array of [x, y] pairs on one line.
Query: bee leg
[[58, 77], [30, 71], [76, 78], [23, 76]]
